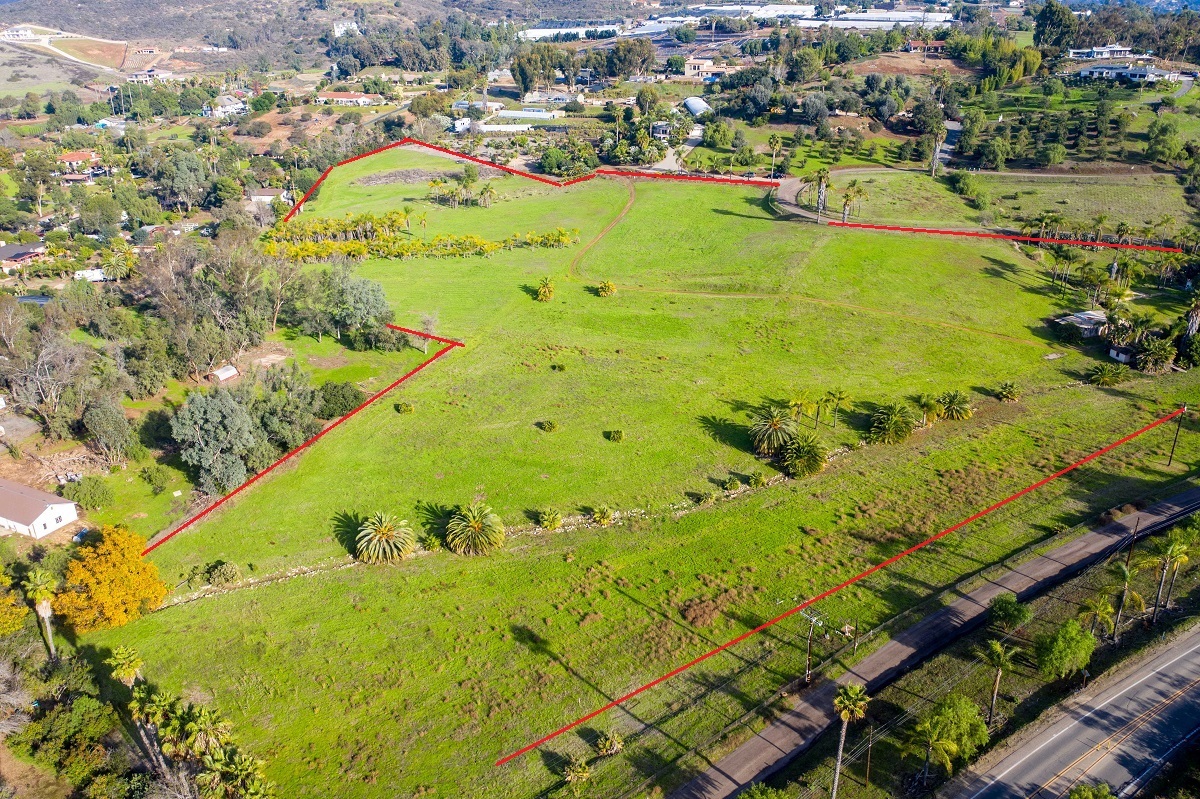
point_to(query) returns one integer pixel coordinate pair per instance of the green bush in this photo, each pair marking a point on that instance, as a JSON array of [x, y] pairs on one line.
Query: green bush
[[615, 436], [157, 477], [548, 426], [732, 484], [405, 407], [222, 574], [338, 399], [91, 493], [758, 480], [602, 516], [550, 519]]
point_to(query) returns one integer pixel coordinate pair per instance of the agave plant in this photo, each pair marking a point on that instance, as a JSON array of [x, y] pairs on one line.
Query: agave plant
[[550, 519], [758, 480], [610, 743], [956, 405], [771, 429], [606, 289], [383, 538], [474, 530], [545, 290], [805, 456], [602, 516]]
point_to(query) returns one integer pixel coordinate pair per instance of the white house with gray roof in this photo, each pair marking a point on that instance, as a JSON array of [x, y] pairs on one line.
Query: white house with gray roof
[[32, 512]]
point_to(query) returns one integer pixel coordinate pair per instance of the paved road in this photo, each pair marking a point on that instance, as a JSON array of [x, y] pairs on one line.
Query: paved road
[[1120, 736], [1184, 88], [812, 713]]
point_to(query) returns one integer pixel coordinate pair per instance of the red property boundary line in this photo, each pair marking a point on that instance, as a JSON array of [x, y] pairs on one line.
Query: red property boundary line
[[982, 235], [522, 173], [830, 592], [450, 345]]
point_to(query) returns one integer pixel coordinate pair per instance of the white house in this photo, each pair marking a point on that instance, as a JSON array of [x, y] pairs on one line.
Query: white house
[[1129, 73], [224, 107], [31, 512], [266, 196], [1090, 323], [349, 98], [1106, 51], [18, 35], [345, 26]]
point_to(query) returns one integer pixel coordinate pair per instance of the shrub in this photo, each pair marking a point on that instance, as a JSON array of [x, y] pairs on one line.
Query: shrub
[[1106, 375], [430, 541], [706, 498], [956, 405], [610, 743], [474, 530], [602, 516], [1156, 355], [576, 773], [405, 407], [615, 436], [338, 399], [109, 584], [1008, 392], [732, 484], [13, 612], [223, 573], [545, 290], [1066, 651], [606, 289], [383, 538], [891, 424], [156, 476], [758, 480], [1007, 611], [1067, 333], [805, 456], [90, 493], [550, 519], [548, 426]]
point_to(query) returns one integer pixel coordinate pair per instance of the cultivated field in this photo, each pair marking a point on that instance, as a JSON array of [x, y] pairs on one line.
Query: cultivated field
[[94, 51], [402, 680]]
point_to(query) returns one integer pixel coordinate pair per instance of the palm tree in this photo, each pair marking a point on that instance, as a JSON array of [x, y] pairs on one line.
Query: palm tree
[[1122, 574], [838, 397], [1098, 222], [40, 586], [1000, 658], [771, 428], [1097, 610], [1178, 555], [205, 731], [821, 176], [126, 665], [1124, 232], [1106, 375], [930, 738], [850, 703], [775, 143], [487, 193], [1163, 553], [140, 712], [805, 456], [931, 410], [383, 538], [474, 530], [423, 220], [227, 773], [892, 423], [802, 405]]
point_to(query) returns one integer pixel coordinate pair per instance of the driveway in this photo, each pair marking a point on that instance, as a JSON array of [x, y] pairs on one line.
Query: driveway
[[812, 714]]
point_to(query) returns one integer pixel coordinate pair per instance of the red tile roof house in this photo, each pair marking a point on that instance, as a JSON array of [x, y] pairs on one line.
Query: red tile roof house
[[32, 512], [13, 256], [80, 159], [349, 98]]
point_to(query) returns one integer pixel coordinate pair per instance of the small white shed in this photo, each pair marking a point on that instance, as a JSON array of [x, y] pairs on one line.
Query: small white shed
[[223, 374]]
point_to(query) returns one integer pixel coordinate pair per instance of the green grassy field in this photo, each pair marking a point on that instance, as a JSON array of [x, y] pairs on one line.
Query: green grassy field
[[394, 681]]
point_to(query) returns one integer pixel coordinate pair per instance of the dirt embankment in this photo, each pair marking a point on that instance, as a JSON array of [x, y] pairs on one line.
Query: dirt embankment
[[420, 176]]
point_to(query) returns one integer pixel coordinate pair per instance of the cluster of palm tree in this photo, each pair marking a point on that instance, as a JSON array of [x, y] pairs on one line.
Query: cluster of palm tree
[[894, 422], [461, 192], [189, 745], [119, 261], [856, 192], [1165, 556], [389, 246], [776, 431], [1052, 224]]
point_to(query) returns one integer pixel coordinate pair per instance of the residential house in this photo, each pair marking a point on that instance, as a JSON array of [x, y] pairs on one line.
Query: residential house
[[1090, 323], [460, 125], [660, 130], [349, 98], [703, 69], [1122, 354], [149, 76], [224, 107], [78, 160], [551, 98], [1107, 51], [33, 512], [14, 256], [490, 107], [18, 35], [345, 27], [266, 196], [1130, 73], [918, 46]]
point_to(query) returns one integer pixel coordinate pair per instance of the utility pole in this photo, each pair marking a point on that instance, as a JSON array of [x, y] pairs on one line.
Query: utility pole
[[870, 743], [813, 622], [1178, 425]]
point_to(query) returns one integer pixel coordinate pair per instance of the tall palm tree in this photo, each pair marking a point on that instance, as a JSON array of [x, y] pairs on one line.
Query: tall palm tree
[[40, 586], [140, 712], [931, 410], [821, 176], [126, 665], [802, 404], [775, 143], [1098, 223], [1164, 553], [1121, 573], [771, 429], [487, 193], [850, 703], [931, 738], [205, 731], [474, 530], [383, 538], [838, 397], [1000, 658], [1098, 611], [1178, 554]]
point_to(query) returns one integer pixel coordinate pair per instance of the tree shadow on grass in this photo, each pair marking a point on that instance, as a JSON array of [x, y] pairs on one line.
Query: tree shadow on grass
[[346, 525], [530, 290], [728, 432]]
